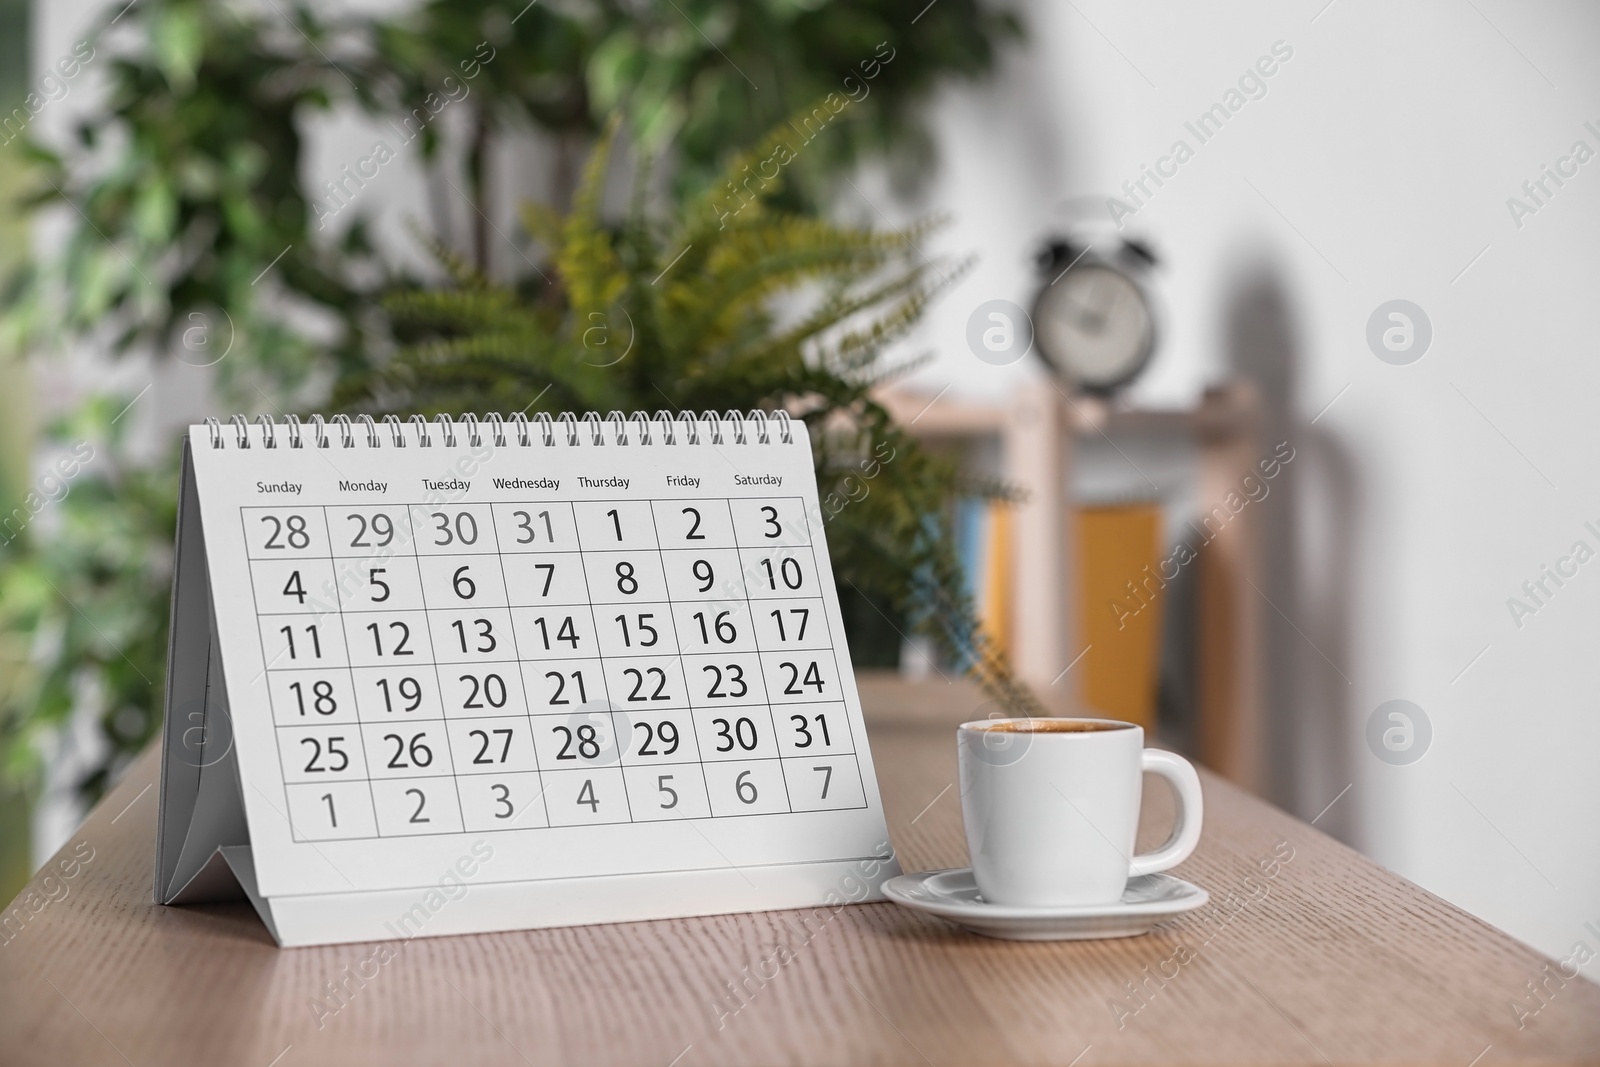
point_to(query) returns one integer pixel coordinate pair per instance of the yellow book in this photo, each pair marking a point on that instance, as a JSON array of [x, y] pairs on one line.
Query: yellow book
[[994, 586], [1119, 609]]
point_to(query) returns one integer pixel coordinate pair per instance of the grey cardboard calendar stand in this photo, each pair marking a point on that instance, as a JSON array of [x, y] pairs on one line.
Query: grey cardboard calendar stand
[[202, 840]]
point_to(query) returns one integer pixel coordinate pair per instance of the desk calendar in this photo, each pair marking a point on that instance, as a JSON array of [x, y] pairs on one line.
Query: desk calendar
[[431, 678]]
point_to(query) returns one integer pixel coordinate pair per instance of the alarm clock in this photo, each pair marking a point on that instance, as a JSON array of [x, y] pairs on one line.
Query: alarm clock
[[1093, 320]]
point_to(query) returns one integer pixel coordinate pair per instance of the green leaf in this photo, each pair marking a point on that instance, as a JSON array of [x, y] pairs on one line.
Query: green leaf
[[614, 65], [154, 213], [177, 40]]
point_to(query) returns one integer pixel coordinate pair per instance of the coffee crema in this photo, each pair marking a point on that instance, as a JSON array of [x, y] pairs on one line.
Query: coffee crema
[[1050, 726]]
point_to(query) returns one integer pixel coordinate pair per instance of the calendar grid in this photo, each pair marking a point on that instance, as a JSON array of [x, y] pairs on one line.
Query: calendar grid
[[694, 725], [422, 587], [600, 658], [833, 651], [401, 795], [755, 637], [349, 670], [584, 605], [267, 667], [500, 561], [622, 743]]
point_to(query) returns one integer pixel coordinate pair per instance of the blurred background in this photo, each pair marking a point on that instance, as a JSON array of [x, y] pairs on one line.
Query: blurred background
[[1246, 348]]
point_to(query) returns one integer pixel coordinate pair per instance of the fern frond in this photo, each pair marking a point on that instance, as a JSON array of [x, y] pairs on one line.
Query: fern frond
[[728, 303], [461, 272], [586, 259]]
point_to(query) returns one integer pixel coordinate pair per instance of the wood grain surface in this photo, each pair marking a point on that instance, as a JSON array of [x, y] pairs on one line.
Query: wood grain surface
[[1308, 954]]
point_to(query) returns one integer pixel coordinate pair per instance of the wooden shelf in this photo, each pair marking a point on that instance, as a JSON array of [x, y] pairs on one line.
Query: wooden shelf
[[1224, 411], [1038, 431]]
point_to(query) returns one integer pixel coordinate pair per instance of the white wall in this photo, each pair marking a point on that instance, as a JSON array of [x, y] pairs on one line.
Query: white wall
[[1377, 166]]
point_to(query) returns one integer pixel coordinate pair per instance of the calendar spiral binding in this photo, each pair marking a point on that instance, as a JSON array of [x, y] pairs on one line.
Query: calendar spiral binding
[[591, 426]]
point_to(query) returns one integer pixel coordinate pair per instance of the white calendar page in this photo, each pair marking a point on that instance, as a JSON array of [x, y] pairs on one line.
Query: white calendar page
[[605, 659]]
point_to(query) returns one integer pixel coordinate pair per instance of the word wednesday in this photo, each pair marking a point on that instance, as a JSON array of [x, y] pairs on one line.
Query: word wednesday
[[552, 484]]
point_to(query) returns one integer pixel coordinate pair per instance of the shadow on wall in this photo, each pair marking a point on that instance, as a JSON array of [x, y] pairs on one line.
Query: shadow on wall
[[1307, 562]]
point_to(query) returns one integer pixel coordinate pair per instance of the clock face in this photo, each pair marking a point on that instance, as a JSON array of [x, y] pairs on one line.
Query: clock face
[[1094, 325]]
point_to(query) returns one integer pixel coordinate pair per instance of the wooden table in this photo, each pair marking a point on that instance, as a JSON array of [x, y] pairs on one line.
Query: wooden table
[[1320, 956]]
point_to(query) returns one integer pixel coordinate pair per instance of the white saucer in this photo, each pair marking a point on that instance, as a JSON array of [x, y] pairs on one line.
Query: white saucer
[[953, 895]]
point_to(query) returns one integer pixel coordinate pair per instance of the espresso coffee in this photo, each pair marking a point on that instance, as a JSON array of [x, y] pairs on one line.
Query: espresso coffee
[[1051, 822], [1050, 726]]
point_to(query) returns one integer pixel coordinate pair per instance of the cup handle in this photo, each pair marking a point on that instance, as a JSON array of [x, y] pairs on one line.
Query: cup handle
[[1191, 807]]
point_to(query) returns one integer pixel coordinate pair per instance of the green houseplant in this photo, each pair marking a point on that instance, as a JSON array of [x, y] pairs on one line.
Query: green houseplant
[[709, 76], [676, 312], [188, 198]]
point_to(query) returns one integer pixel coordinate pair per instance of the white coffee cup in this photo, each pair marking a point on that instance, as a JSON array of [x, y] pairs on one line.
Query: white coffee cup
[[1051, 808]]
